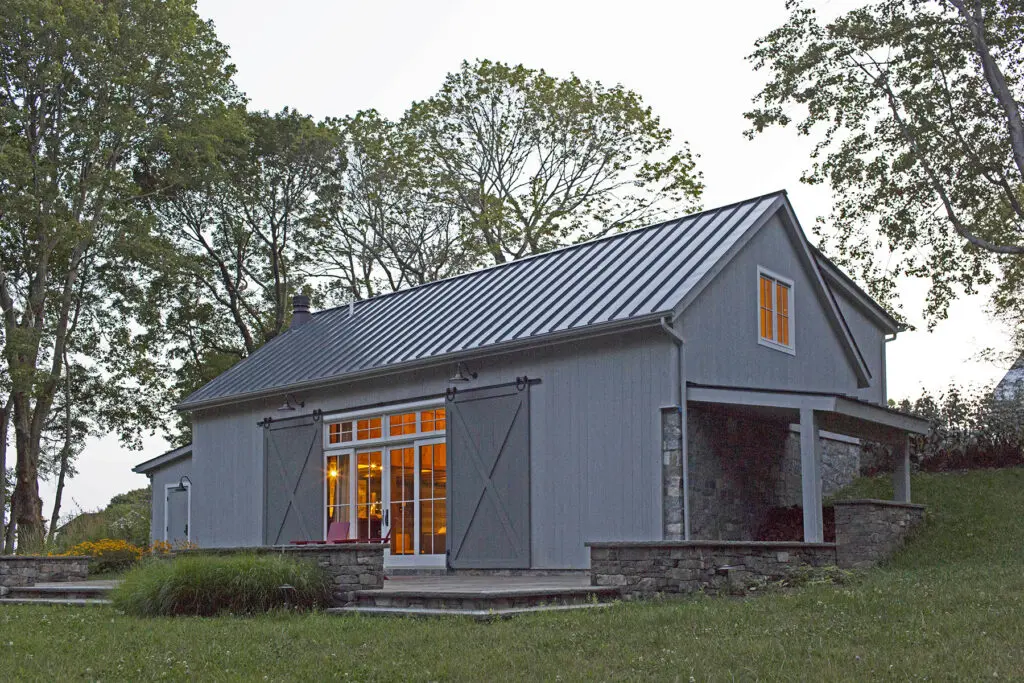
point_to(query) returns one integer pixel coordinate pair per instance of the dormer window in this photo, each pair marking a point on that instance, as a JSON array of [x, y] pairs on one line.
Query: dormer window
[[775, 316]]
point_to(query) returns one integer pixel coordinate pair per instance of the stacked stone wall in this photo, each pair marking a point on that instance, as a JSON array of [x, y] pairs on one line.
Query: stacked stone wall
[[24, 570], [350, 566], [870, 531], [643, 569]]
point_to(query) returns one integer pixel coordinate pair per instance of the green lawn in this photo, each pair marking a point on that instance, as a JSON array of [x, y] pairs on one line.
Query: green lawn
[[949, 607]]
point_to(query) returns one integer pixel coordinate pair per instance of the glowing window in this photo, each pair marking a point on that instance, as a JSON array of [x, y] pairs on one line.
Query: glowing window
[[432, 420], [774, 320], [402, 424], [369, 428], [339, 432]]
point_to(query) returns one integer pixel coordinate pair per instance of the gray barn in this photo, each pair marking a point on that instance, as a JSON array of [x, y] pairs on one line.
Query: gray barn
[[504, 418]]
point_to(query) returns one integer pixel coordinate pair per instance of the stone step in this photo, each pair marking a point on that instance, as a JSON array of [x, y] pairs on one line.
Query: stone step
[[478, 614], [73, 602], [483, 600], [59, 592]]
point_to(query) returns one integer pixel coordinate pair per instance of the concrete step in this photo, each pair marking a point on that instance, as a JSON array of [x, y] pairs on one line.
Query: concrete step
[[70, 591], [478, 614], [73, 602], [483, 600]]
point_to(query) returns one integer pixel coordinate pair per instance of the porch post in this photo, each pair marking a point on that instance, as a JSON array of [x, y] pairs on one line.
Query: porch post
[[901, 470], [810, 476]]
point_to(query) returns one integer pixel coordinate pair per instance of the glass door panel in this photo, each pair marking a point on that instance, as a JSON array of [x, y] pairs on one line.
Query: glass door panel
[[433, 487], [402, 495], [339, 508], [369, 494]]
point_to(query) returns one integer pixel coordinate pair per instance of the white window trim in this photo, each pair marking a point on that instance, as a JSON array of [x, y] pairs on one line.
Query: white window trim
[[385, 413], [770, 343], [188, 507]]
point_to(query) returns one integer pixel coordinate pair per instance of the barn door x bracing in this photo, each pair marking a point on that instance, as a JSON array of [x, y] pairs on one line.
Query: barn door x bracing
[[489, 478], [292, 480]]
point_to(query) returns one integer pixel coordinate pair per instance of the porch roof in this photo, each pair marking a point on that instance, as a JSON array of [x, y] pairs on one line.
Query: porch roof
[[839, 413]]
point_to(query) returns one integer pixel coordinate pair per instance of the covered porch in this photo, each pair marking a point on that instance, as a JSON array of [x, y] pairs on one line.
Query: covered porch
[[751, 423]]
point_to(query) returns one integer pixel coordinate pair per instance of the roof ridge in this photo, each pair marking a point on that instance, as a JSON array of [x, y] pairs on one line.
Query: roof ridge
[[556, 250]]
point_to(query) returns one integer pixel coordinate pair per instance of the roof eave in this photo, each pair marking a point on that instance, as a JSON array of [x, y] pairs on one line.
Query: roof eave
[[589, 331], [163, 459]]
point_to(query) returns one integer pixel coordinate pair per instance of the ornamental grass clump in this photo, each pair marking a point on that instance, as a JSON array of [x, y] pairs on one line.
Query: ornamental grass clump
[[209, 585]]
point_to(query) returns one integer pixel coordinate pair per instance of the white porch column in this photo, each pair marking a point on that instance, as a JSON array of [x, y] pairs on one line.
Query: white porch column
[[810, 476], [901, 471]]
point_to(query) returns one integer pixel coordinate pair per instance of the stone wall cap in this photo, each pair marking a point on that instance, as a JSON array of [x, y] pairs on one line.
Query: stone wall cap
[[768, 545], [883, 503], [264, 549]]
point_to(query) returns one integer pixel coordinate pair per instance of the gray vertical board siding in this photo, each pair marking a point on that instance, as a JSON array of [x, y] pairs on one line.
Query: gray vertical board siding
[[594, 441], [227, 493], [488, 431], [293, 481], [721, 326], [870, 338], [170, 474]]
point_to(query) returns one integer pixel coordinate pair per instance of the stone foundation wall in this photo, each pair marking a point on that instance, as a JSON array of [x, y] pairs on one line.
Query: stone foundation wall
[[18, 570], [643, 569], [840, 465], [734, 466], [869, 531], [671, 474], [739, 469], [351, 566]]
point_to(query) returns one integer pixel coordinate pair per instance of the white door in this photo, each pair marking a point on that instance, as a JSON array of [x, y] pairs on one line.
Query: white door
[[176, 514]]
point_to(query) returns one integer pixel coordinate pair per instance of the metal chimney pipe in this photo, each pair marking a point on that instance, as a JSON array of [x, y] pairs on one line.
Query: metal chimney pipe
[[300, 310]]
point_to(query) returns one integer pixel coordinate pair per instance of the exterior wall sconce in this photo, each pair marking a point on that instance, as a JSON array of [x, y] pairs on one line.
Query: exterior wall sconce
[[462, 373], [290, 403], [183, 484]]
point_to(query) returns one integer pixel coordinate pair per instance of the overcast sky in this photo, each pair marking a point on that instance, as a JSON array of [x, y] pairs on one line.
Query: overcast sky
[[331, 58]]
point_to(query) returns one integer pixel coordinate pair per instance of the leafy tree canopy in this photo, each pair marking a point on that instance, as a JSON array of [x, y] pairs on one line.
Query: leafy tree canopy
[[915, 109]]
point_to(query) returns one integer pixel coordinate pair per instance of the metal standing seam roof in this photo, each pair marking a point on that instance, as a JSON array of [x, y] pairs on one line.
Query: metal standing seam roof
[[627, 277]]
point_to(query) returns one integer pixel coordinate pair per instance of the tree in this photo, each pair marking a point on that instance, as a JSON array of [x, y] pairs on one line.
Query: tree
[[87, 91], [532, 162], [234, 238], [915, 108], [383, 225]]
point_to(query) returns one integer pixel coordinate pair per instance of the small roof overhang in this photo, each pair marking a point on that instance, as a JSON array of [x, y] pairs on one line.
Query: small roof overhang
[[163, 460], [840, 414]]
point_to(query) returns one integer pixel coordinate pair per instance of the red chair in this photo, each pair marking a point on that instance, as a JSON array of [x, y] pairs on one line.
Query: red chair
[[337, 532]]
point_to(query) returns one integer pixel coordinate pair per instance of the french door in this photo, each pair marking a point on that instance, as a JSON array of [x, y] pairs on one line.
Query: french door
[[398, 490]]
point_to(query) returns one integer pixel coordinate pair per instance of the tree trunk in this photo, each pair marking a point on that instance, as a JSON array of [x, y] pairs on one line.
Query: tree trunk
[[65, 451], [28, 506], [5, 421], [12, 529]]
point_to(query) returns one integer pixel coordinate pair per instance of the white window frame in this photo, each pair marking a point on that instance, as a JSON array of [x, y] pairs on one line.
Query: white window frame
[[771, 343], [188, 507], [385, 412], [385, 444]]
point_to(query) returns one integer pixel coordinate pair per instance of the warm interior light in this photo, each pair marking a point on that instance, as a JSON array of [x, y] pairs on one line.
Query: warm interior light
[[333, 473]]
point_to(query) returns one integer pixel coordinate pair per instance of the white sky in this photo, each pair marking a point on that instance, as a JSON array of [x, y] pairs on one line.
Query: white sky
[[331, 58]]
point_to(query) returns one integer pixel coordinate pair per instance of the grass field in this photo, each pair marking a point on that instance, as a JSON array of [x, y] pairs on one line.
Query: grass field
[[950, 607]]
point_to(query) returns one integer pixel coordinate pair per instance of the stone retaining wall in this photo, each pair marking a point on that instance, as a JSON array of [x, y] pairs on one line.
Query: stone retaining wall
[[351, 566], [26, 570], [869, 531], [644, 568]]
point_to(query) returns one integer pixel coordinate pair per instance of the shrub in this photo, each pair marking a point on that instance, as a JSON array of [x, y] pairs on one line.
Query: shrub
[[108, 554], [208, 585]]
